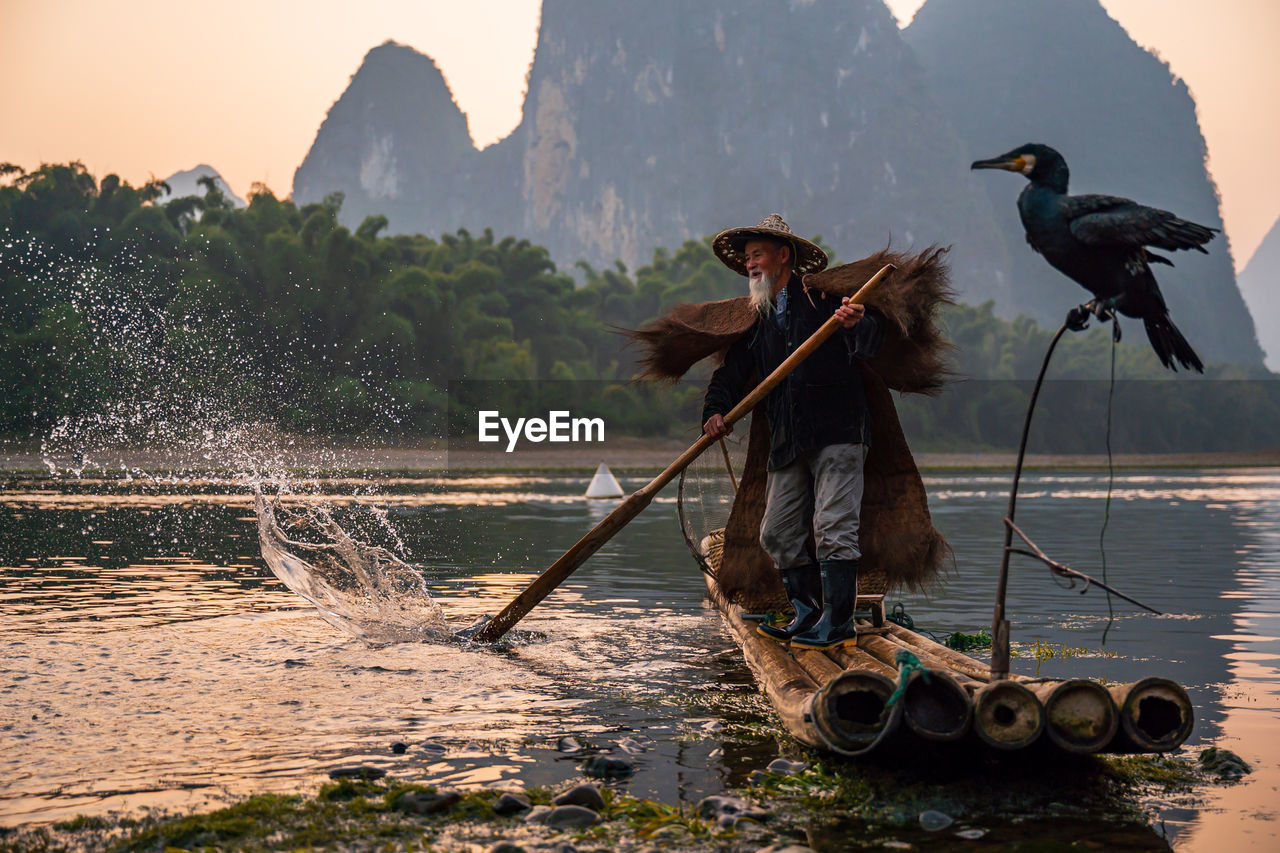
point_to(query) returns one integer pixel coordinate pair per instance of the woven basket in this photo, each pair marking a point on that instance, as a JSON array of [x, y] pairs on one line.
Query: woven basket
[[872, 581], [713, 548]]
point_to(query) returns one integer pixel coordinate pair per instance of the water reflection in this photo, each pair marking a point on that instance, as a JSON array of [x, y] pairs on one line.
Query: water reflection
[[1251, 698], [150, 659]]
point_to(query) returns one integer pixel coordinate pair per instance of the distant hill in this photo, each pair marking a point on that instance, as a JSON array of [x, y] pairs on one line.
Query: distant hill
[[395, 143], [635, 137], [716, 113], [1064, 73], [185, 183], [1260, 284]]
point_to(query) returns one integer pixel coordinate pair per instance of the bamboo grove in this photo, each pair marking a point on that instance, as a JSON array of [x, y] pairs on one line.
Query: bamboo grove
[[320, 328]]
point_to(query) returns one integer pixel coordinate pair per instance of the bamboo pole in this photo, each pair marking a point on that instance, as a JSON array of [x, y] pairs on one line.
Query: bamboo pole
[[608, 527], [852, 657], [886, 650], [820, 667], [938, 708], [1006, 714], [950, 658], [789, 687]]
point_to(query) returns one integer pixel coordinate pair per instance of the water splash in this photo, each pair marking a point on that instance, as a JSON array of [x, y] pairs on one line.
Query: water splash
[[360, 588], [161, 390]]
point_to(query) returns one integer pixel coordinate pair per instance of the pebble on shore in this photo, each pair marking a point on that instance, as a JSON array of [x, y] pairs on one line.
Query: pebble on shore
[[510, 804], [361, 772], [562, 817], [604, 767], [422, 802], [585, 795]]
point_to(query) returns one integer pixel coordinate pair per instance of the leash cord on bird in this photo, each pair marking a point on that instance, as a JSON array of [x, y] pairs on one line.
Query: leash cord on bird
[[1111, 476]]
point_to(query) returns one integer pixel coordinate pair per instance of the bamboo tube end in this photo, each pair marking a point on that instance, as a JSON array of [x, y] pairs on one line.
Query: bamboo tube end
[[1156, 714], [936, 707], [1080, 716], [1007, 715], [851, 712]]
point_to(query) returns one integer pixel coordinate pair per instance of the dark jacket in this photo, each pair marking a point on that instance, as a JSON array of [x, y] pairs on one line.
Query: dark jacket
[[821, 402]]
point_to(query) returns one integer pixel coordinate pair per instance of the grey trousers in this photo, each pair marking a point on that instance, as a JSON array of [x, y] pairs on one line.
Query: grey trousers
[[820, 491]]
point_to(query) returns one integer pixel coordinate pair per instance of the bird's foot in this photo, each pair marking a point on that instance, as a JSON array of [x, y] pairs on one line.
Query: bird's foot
[[1078, 317], [1105, 311]]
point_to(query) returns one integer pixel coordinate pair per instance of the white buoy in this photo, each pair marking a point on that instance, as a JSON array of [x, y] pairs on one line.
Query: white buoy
[[604, 484]]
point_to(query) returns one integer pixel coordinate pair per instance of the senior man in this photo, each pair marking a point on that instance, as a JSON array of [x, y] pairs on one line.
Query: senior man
[[817, 420]]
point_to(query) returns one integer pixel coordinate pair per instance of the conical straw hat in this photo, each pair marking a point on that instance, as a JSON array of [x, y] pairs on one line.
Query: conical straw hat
[[729, 245]]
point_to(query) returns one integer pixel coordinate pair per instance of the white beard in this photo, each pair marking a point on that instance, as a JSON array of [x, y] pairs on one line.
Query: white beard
[[762, 293]]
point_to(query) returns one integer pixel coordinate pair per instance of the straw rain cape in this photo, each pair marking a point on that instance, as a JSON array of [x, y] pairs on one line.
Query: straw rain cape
[[900, 546]]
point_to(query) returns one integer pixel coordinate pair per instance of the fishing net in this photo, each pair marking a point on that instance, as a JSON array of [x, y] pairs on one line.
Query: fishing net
[[705, 496]]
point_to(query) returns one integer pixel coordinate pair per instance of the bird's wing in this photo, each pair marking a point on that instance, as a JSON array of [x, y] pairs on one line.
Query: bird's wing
[[1105, 220]]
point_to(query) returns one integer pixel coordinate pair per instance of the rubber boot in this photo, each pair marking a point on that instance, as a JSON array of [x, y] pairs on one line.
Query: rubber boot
[[804, 589], [839, 595]]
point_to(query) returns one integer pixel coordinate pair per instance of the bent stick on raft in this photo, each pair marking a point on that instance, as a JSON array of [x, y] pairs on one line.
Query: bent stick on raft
[[605, 530]]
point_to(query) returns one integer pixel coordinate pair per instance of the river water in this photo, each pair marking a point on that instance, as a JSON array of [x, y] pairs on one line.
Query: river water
[[151, 660]]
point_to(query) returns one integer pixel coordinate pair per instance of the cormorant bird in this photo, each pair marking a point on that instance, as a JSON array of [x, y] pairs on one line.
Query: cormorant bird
[[1101, 242]]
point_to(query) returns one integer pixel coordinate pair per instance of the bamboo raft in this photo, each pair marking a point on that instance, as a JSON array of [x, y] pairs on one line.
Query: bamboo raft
[[843, 699]]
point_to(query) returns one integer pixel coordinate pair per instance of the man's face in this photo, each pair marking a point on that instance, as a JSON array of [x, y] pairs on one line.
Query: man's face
[[765, 258]]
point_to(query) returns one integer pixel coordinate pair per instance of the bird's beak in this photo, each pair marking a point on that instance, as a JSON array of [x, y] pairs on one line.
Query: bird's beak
[[1015, 164]]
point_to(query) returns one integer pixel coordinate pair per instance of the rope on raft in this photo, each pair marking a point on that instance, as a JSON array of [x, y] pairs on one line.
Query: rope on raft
[[957, 640], [907, 664]]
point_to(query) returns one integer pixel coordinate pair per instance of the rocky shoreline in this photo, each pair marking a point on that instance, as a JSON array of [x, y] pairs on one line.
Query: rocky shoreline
[[792, 806]]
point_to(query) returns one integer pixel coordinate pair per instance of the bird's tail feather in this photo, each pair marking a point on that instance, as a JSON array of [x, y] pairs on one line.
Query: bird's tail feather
[[1169, 344]]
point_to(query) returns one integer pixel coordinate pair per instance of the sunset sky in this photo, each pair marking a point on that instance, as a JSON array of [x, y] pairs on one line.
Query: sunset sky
[[151, 87]]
